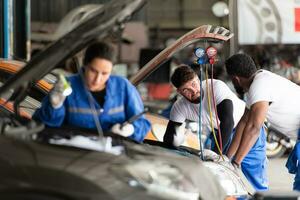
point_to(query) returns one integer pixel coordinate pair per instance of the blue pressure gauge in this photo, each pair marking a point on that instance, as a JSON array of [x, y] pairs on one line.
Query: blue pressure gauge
[[199, 52]]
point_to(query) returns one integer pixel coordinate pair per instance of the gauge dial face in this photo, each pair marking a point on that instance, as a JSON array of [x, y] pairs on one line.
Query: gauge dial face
[[211, 52], [199, 52]]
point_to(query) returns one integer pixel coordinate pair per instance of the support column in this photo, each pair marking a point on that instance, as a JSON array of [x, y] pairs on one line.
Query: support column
[[233, 26], [7, 30], [1, 30], [21, 45]]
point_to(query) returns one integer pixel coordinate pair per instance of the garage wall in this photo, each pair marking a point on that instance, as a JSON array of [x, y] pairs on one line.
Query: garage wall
[[156, 13], [180, 13], [54, 10]]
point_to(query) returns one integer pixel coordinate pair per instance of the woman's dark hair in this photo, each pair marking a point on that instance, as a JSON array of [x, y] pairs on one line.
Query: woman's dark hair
[[182, 75], [240, 65], [99, 50]]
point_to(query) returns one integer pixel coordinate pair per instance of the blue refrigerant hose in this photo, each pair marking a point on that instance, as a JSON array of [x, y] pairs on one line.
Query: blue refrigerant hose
[[200, 111]]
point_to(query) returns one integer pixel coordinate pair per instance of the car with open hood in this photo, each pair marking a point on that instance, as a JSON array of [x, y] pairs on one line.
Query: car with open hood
[[38, 162]]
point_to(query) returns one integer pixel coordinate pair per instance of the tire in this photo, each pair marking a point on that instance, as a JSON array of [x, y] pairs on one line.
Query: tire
[[274, 148]]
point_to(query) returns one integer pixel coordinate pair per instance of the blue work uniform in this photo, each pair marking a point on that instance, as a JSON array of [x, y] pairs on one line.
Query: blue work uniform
[[292, 164], [254, 164], [121, 102]]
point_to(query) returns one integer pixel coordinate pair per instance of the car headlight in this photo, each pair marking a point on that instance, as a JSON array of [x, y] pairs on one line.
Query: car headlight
[[162, 180], [230, 182]]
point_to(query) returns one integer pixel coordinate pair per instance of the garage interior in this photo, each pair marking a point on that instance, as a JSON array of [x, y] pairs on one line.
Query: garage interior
[[261, 30]]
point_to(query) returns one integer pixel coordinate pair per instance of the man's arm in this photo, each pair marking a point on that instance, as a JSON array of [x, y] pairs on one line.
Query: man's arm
[[256, 118], [170, 132], [238, 135], [225, 114]]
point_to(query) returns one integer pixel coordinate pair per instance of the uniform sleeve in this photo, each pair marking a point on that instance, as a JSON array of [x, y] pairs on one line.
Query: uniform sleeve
[[48, 115], [134, 106]]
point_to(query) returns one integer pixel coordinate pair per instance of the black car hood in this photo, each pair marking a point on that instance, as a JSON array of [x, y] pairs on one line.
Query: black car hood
[[31, 167], [103, 21]]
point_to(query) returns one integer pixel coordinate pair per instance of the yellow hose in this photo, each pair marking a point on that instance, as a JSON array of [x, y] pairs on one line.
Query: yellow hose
[[210, 113]]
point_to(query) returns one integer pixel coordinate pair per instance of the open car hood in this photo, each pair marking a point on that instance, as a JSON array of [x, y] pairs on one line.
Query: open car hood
[[204, 33], [104, 21]]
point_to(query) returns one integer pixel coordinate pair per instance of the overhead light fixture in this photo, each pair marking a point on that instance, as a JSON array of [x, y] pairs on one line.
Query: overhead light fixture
[[220, 9]]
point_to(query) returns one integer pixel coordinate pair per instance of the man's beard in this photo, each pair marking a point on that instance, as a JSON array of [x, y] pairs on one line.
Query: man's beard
[[239, 89], [196, 100]]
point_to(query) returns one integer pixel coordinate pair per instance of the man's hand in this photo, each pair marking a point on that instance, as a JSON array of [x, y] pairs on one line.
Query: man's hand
[[125, 131], [210, 155], [59, 92], [235, 164], [179, 135], [237, 168]]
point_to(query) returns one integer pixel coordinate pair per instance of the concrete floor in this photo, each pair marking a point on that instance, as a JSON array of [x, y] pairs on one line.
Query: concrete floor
[[280, 180]]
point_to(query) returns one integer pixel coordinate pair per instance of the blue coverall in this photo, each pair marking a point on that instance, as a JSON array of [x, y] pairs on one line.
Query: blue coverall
[[293, 164], [122, 101], [255, 163]]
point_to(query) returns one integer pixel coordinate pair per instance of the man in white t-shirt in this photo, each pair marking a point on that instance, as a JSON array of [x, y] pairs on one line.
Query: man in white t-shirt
[[229, 111], [270, 97]]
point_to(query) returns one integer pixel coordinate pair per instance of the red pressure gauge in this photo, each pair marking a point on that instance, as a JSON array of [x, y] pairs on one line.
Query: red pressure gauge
[[211, 52]]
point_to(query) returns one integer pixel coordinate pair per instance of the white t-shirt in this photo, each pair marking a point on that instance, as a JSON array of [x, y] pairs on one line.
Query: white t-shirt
[[284, 96], [183, 109]]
